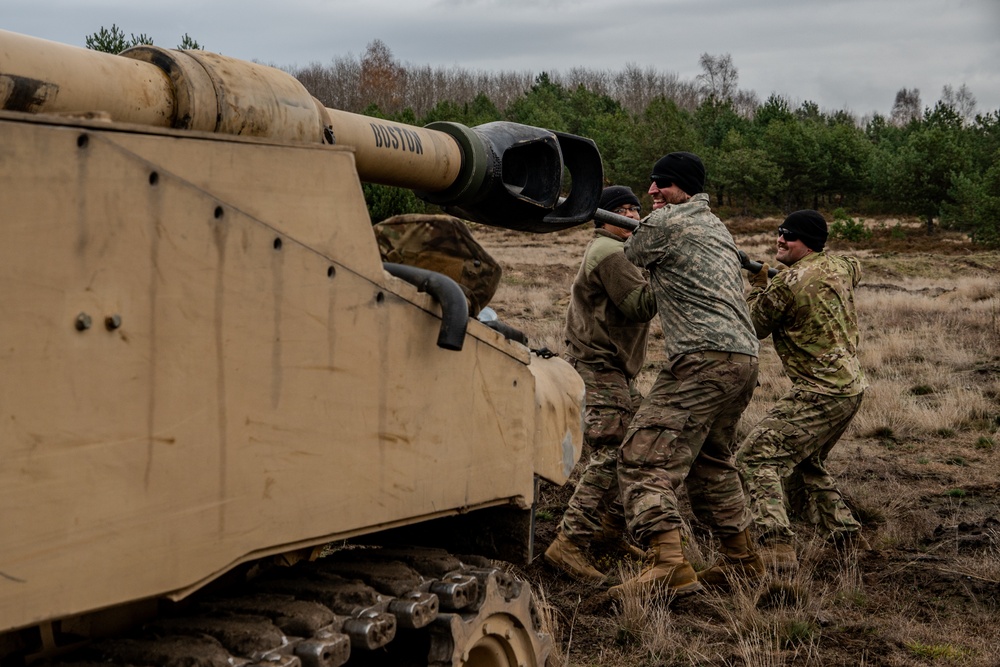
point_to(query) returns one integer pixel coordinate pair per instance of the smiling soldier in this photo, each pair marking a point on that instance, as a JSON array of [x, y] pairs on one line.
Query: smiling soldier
[[685, 430], [809, 312]]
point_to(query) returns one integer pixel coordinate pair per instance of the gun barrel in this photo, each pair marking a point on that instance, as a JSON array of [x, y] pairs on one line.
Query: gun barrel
[[501, 174], [39, 76]]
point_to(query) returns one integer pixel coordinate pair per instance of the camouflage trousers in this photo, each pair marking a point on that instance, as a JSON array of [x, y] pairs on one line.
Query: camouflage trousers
[[595, 509], [783, 460], [685, 432]]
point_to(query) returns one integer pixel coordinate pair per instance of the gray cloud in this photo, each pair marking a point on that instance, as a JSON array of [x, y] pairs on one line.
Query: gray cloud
[[852, 54]]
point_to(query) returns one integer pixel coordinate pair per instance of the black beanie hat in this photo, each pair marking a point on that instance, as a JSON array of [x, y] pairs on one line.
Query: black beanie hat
[[685, 170], [615, 196], [810, 226]]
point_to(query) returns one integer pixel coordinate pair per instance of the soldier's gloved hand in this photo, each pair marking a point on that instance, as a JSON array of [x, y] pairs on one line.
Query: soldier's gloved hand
[[760, 279]]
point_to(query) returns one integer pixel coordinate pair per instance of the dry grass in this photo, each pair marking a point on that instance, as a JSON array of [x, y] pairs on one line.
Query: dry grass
[[919, 466]]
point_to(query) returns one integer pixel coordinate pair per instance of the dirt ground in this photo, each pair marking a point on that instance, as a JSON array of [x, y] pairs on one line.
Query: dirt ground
[[928, 591]]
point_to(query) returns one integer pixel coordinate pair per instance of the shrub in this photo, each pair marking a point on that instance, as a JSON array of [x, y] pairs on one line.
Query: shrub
[[797, 632], [847, 228], [884, 432]]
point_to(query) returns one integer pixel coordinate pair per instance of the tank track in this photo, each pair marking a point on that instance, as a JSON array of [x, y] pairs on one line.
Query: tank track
[[356, 606]]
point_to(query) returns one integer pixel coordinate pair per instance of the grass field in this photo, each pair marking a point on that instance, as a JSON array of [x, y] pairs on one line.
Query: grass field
[[920, 465]]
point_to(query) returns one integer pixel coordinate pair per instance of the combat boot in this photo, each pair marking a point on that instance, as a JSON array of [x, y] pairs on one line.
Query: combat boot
[[633, 551], [780, 558], [668, 570], [566, 555], [850, 543], [738, 560], [613, 536]]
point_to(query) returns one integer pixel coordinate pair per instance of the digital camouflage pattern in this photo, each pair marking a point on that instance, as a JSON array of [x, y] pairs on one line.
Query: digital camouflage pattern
[[809, 311], [685, 429], [595, 509], [443, 244], [783, 461], [695, 273], [685, 433]]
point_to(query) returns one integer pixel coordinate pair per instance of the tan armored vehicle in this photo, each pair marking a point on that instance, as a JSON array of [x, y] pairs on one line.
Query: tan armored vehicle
[[221, 417]]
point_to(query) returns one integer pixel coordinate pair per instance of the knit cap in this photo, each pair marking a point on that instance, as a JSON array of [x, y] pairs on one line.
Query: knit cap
[[617, 195], [685, 170], [810, 226]]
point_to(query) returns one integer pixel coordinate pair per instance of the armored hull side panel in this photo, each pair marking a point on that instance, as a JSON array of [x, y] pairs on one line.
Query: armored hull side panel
[[203, 362]]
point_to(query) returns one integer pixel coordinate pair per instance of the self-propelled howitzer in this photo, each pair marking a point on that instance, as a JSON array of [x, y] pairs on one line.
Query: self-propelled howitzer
[[208, 375]]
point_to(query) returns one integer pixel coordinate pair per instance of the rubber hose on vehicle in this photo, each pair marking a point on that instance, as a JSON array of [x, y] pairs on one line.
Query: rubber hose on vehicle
[[454, 307]]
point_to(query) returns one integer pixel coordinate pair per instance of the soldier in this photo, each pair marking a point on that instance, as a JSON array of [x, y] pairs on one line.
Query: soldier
[[606, 329], [809, 311], [685, 429]]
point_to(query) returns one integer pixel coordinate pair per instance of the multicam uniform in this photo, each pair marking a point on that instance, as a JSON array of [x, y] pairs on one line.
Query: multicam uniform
[[809, 311], [606, 329], [685, 430]]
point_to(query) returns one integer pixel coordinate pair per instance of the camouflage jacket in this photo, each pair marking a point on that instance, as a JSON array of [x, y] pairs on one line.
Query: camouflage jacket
[[809, 311], [610, 307], [695, 273]]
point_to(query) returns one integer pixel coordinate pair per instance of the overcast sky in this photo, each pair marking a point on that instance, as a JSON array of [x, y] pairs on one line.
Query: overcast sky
[[840, 54]]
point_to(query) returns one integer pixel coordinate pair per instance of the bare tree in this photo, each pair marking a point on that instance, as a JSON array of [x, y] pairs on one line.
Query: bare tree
[[382, 77], [596, 81], [907, 107], [718, 78], [745, 103], [635, 87], [961, 100], [351, 83]]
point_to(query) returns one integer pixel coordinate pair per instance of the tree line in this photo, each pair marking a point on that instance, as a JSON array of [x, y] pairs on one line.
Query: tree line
[[939, 162]]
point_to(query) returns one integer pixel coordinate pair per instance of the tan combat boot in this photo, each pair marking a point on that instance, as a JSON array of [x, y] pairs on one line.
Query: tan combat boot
[[614, 535], [669, 571], [779, 558], [564, 554], [850, 543], [632, 550], [738, 561]]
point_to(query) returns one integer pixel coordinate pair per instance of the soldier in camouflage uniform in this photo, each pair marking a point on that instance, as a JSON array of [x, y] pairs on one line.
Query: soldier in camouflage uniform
[[606, 330], [809, 311], [685, 429]]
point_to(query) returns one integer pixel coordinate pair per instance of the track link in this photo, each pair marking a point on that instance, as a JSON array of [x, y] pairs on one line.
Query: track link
[[358, 606]]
